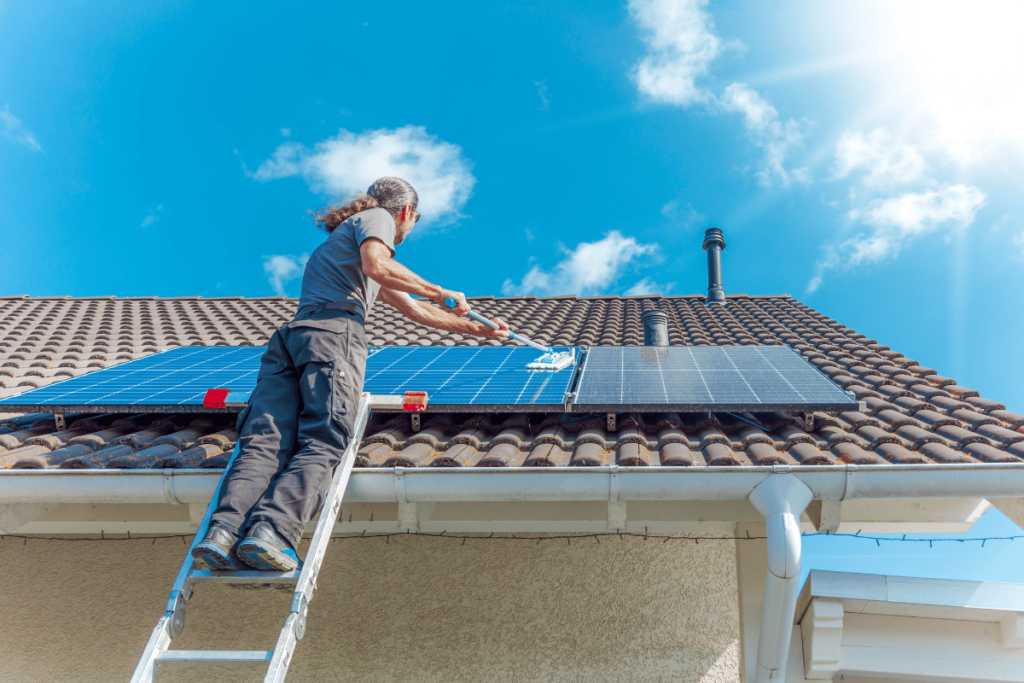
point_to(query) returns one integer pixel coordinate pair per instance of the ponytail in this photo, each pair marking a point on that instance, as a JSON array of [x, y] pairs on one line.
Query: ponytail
[[390, 194]]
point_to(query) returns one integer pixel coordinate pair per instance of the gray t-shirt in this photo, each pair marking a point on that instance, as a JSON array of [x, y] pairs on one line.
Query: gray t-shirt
[[335, 270]]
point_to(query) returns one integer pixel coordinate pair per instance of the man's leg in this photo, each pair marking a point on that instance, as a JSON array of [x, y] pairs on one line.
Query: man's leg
[[267, 432], [330, 380]]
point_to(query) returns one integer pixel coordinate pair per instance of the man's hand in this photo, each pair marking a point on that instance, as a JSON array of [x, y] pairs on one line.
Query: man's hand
[[461, 306], [481, 330], [420, 311]]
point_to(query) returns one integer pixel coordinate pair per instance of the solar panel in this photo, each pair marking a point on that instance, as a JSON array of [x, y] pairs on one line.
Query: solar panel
[[704, 378], [467, 379], [173, 380], [455, 379], [477, 379]]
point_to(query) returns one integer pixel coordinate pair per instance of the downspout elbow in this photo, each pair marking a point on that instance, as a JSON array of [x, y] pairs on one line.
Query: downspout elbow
[[781, 499]]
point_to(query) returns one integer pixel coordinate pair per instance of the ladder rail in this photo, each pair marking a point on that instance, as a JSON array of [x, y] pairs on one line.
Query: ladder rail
[[171, 623], [295, 625], [278, 660]]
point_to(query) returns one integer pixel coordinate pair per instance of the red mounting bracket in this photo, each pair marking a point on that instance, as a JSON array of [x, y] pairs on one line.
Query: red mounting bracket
[[414, 400]]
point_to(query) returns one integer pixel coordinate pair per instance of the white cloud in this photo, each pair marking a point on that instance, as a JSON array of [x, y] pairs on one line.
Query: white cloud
[[350, 162], [15, 130], [915, 213], [281, 268], [884, 161], [590, 268], [542, 93], [773, 136], [895, 222], [686, 216], [648, 286], [680, 45], [1018, 241], [286, 132], [152, 217]]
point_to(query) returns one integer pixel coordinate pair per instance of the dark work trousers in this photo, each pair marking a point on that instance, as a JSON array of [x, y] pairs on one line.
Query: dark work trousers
[[298, 422]]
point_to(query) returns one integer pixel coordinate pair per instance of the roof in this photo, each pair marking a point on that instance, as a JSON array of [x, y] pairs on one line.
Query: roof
[[914, 416]]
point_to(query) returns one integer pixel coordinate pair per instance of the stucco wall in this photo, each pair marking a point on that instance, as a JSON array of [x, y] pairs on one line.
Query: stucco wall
[[415, 609]]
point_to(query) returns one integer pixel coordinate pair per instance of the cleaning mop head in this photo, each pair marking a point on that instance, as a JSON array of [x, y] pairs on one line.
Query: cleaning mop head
[[554, 360]]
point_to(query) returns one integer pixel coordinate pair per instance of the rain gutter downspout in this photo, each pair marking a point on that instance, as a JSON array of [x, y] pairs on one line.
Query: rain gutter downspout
[[781, 498]]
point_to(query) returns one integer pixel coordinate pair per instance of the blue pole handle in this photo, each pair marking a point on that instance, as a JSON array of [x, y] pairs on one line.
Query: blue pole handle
[[473, 315]]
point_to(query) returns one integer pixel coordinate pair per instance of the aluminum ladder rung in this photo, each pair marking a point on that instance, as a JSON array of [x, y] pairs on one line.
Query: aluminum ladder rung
[[157, 652], [243, 657], [206, 576]]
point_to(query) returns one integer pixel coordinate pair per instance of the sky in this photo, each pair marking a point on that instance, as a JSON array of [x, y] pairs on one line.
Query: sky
[[864, 157]]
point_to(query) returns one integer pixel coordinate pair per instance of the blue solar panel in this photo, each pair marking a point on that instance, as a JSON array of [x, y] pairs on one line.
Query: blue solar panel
[[704, 378], [176, 377], [465, 378], [452, 376]]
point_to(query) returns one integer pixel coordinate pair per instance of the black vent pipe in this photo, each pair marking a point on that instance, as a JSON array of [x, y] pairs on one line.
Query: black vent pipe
[[655, 328], [714, 243]]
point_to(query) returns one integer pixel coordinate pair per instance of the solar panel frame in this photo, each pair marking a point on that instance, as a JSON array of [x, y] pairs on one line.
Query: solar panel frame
[[692, 379]]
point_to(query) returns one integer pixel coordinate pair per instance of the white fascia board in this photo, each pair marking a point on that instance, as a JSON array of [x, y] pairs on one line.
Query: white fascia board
[[485, 484], [913, 596], [897, 628]]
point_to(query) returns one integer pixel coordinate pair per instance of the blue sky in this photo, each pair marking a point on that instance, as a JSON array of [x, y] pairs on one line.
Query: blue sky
[[863, 157]]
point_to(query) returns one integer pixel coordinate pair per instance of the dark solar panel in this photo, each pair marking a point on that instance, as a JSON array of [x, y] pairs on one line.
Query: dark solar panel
[[460, 378], [172, 379], [704, 378]]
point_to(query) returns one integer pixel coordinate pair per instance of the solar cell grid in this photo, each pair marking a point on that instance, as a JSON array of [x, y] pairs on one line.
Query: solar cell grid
[[464, 378], [176, 377], [460, 378], [704, 378]]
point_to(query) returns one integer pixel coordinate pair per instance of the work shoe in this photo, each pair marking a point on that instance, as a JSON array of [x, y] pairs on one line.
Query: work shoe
[[266, 550], [217, 551]]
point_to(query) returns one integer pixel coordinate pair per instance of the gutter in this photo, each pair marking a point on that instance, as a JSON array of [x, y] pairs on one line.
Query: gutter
[[780, 493], [547, 484]]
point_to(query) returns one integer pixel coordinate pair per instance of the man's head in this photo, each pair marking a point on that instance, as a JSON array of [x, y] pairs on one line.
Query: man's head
[[399, 199]]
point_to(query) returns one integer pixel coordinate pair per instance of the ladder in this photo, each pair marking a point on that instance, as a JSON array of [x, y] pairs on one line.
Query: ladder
[[157, 652]]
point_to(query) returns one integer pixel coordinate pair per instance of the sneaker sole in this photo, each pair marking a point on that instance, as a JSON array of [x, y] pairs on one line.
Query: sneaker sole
[[214, 559], [265, 558]]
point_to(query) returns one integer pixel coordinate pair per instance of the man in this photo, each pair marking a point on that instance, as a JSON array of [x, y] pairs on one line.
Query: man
[[301, 415]]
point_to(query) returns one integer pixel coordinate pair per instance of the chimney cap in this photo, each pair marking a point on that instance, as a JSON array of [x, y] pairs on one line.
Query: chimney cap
[[713, 236], [655, 324]]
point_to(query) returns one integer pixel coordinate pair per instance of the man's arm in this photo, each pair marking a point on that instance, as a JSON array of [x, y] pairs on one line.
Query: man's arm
[[390, 274], [422, 312]]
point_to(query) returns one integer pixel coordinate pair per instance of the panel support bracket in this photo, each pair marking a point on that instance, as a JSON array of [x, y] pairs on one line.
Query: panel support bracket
[[808, 422], [414, 421], [610, 419], [58, 421]]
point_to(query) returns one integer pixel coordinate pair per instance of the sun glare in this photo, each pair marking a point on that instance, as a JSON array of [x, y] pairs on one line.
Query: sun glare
[[960, 63]]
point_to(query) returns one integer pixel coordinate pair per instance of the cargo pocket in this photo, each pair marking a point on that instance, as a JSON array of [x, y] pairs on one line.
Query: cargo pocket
[[344, 399]]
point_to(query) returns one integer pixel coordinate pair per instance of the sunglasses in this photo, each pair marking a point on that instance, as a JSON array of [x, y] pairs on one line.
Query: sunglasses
[[417, 219]]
